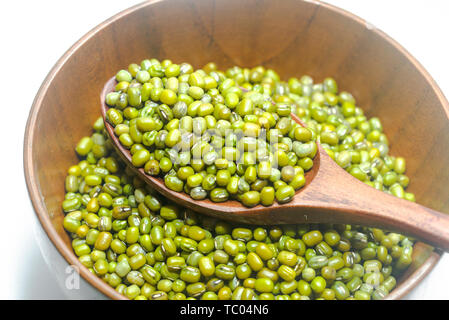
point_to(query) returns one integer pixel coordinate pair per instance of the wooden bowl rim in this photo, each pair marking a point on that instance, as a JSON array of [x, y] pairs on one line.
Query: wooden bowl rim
[[33, 186]]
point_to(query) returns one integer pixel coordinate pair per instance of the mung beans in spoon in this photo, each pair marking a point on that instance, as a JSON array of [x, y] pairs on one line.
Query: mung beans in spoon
[[207, 136]]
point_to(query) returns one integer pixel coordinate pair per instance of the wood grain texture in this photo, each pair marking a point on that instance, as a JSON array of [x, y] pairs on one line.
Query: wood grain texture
[[294, 37]]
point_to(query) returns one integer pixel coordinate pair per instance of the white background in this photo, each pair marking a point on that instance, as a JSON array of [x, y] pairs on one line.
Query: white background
[[34, 34]]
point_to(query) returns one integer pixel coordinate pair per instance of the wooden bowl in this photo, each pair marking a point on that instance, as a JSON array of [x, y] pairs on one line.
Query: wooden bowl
[[293, 37]]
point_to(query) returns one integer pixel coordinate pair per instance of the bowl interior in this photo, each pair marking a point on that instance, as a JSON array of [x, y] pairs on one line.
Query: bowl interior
[[293, 37]]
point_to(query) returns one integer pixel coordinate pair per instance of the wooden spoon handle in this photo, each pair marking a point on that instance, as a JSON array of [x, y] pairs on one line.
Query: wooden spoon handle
[[341, 197]]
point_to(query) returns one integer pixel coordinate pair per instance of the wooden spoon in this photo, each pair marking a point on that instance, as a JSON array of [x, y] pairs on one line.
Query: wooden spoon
[[331, 195]]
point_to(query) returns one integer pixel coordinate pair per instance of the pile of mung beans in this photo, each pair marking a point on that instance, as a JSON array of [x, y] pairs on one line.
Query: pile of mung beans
[[149, 249], [208, 135]]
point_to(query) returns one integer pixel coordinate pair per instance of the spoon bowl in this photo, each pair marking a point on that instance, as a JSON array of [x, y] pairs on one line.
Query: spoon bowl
[[330, 195], [230, 210]]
